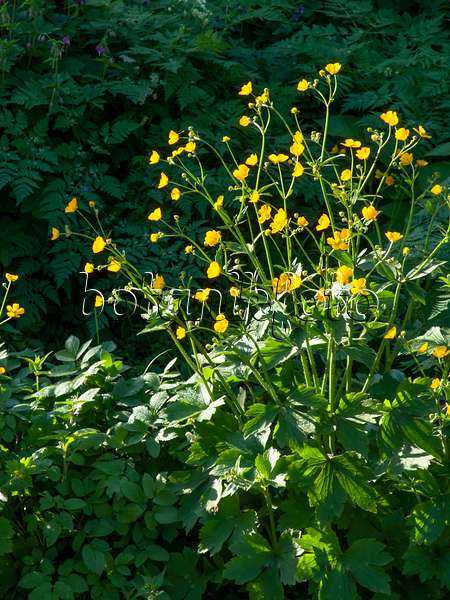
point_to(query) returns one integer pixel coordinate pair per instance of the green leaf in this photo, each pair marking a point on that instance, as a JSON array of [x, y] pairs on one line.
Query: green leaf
[[254, 553], [364, 559], [6, 533], [427, 521], [337, 584], [267, 585], [93, 559], [354, 476]]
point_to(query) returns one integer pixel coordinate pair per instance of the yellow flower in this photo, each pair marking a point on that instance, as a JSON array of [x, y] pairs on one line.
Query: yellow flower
[[212, 238], [225, 139], [189, 249], [302, 85], [244, 121], [241, 172], [264, 213], [302, 222], [297, 138], [2, 370], [98, 301], [278, 158], [406, 158], [346, 175], [435, 383], [281, 284], [279, 221], [154, 158], [113, 265], [339, 240], [350, 143], [391, 333], [11, 277], [335, 149], [154, 237], [159, 282], [421, 163], [322, 73], [221, 324], [175, 194], [98, 245], [246, 89], [389, 180], [421, 131], [218, 203], [190, 146], [55, 234], [71, 206], [295, 282], [234, 291], [91, 203], [298, 170], [213, 270], [14, 311], [263, 98], [321, 296], [333, 68], [423, 348], [173, 137], [177, 152], [323, 223], [163, 181], [359, 286], [393, 236], [390, 117], [202, 295], [363, 153], [180, 333], [254, 197], [406, 251], [370, 213], [401, 134], [343, 274], [297, 149], [88, 267], [436, 189], [252, 160], [155, 215], [441, 351]]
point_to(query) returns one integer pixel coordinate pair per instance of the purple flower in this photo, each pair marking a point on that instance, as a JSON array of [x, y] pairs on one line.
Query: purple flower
[[100, 50], [298, 13], [66, 40]]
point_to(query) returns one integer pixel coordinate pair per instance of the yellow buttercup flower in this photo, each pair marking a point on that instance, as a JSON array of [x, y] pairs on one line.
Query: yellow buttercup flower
[[435, 383], [279, 221], [14, 311], [190, 147], [390, 117], [363, 153], [98, 245], [406, 250], [423, 348], [254, 197], [321, 296], [437, 189], [333, 68], [339, 240], [252, 160], [393, 236], [91, 203], [114, 265], [350, 143], [441, 351], [323, 223], [218, 203], [297, 148], [88, 267], [189, 249], [213, 270], [72, 206], [401, 134], [180, 333], [154, 237], [281, 284], [264, 213], [406, 158], [154, 158], [2, 370], [241, 172], [173, 137], [163, 181], [370, 213], [55, 234], [177, 152], [343, 274], [298, 138], [155, 215], [244, 121], [421, 163], [11, 277], [212, 238], [202, 295], [391, 333], [298, 170], [221, 324], [389, 180], [159, 282], [422, 132], [98, 301], [263, 98], [346, 175], [302, 85], [175, 194], [302, 222], [278, 158], [359, 286], [246, 89], [234, 291], [225, 139]]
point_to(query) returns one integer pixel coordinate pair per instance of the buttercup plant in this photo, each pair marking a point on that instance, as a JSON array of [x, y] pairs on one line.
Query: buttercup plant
[[327, 392]]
